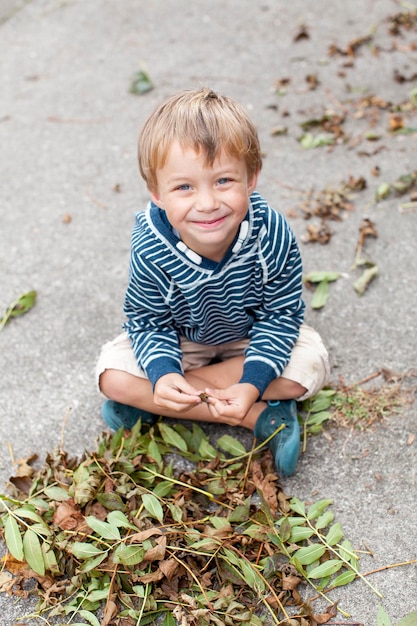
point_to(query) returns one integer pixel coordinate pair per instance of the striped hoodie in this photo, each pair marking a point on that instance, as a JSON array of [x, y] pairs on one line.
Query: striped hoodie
[[254, 292]]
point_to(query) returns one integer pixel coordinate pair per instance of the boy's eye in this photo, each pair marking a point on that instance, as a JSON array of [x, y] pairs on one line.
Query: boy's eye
[[223, 181], [184, 187]]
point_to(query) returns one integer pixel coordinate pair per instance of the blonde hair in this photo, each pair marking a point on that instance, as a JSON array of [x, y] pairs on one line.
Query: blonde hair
[[203, 120]]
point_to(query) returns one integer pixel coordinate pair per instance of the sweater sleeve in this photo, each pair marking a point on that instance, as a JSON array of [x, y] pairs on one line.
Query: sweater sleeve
[[149, 323], [277, 321]]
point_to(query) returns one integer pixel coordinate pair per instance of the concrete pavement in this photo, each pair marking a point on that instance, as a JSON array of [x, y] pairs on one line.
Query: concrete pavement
[[70, 187]]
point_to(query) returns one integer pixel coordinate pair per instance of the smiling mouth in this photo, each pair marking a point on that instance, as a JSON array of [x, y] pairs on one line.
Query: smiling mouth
[[211, 223]]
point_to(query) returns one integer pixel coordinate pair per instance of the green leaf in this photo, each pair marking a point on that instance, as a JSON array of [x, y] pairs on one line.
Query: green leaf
[[317, 508], [153, 506], [29, 514], [318, 277], [21, 305], [89, 617], [103, 529], [117, 518], [171, 437], [98, 594], [251, 577], [326, 569], [111, 501], [240, 513], [206, 450], [299, 533], [13, 538], [57, 494], [90, 564], [308, 140], [141, 83], [382, 617], [408, 620], [285, 530], [321, 295], [347, 552], [361, 284], [298, 506], [309, 554], [39, 503], [129, 555], [321, 401], [51, 564], [344, 579], [383, 191], [154, 451], [83, 550], [176, 512], [33, 552], [163, 489], [324, 520], [315, 421], [231, 445], [335, 534]]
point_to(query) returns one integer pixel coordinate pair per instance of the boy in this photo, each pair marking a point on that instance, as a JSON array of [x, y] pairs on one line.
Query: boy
[[214, 328]]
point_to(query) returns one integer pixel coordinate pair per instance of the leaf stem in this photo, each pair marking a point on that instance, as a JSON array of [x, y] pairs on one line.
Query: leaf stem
[[179, 482]]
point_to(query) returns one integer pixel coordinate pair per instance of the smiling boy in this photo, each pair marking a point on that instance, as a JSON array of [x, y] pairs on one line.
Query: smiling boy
[[214, 312]]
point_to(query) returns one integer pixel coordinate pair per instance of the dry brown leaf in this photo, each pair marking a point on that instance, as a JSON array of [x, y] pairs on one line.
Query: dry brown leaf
[[168, 567], [323, 618], [145, 534], [68, 516], [157, 553], [6, 582], [152, 577], [12, 565], [110, 612], [289, 583], [267, 485]]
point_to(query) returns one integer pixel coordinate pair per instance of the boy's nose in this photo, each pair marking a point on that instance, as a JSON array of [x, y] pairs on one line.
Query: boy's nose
[[207, 201]]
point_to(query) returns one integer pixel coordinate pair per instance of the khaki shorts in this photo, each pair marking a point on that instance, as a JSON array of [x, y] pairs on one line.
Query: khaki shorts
[[308, 365]]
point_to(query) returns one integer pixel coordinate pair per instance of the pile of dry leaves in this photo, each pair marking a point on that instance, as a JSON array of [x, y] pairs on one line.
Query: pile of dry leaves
[[120, 535]]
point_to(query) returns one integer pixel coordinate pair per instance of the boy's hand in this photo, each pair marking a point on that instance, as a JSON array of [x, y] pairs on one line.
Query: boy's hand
[[233, 402], [173, 392]]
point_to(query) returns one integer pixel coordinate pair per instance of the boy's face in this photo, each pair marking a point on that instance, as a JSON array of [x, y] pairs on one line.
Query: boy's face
[[204, 204]]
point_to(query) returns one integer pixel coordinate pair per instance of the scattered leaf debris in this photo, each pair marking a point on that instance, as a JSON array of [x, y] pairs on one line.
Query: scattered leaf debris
[[141, 83], [118, 529], [20, 306]]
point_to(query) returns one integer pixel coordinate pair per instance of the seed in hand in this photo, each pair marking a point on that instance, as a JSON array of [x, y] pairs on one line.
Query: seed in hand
[[204, 397]]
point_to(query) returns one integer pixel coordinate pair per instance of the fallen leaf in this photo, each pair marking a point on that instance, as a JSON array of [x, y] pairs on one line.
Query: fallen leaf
[[323, 618], [68, 516], [367, 276], [141, 83], [267, 485], [20, 306]]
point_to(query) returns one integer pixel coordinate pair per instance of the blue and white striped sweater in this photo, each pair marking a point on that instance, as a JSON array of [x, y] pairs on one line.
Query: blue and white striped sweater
[[254, 292]]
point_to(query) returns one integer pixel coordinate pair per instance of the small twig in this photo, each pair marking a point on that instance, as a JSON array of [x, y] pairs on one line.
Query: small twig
[[392, 565], [363, 381], [9, 447], [407, 207], [208, 495]]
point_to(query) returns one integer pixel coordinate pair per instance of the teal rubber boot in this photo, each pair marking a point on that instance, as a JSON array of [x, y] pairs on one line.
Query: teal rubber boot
[[116, 415], [285, 446]]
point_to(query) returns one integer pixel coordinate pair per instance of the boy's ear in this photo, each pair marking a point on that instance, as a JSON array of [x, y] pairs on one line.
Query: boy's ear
[[155, 196], [253, 182]]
